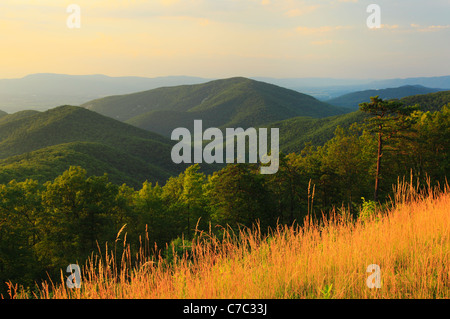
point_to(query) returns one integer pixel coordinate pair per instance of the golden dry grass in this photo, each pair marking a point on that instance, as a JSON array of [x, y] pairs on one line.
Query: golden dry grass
[[410, 241]]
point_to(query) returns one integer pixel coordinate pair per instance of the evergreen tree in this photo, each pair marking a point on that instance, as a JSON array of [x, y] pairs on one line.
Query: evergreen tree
[[388, 118]]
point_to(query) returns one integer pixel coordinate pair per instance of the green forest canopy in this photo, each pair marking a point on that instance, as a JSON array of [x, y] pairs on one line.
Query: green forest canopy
[[44, 226]]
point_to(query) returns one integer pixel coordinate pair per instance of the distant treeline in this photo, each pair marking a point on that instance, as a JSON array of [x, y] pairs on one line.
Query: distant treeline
[[44, 227]]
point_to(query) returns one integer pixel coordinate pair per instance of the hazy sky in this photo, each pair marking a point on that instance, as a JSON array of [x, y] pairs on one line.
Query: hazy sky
[[224, 38]]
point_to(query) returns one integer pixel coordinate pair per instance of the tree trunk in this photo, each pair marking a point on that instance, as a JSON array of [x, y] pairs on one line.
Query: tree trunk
[[291, 199], [377, 176], [188, 224]]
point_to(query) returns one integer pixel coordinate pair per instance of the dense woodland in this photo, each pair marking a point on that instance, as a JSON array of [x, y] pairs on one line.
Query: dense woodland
[[45, 226]]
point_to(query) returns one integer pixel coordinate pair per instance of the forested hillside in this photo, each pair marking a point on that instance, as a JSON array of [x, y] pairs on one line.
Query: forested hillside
[[233, 102], [428, 102], [352, 100], [42, 145], [52, 224], [297, 131]]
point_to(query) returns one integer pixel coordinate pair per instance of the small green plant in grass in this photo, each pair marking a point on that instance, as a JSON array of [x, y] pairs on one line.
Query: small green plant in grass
[[368, 209], [326, 292]]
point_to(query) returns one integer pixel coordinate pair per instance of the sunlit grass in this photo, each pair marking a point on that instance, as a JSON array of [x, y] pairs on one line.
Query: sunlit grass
[[409, 240]]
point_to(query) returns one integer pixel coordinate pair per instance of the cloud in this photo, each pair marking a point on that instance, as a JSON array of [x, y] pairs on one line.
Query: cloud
[[320, 30], [438, 27], [413, 27], [296, 12], [199, 21], [430, 28], [142, 37], [434, 28], [389, 26]]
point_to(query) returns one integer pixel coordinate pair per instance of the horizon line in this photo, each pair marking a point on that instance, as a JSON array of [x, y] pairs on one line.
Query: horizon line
[[225, 77]]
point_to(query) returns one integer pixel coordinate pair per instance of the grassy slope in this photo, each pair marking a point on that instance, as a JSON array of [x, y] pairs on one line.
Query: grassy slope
[[410, 242]]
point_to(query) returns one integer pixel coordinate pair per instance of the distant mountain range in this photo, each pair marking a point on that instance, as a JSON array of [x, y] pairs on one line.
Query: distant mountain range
[[328, 88], [352, 100], [46, 90], [41, 145], [434, 81], [234, 102]]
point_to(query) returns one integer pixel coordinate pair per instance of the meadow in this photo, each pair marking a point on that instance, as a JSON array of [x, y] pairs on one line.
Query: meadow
[[408, 237]]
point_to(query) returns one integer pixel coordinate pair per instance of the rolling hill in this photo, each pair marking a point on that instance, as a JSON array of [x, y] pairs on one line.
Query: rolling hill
[[352, 100], [433, 82], [43, 91], [41, 145], [44, 144], [234, 102], [295, 132], [329, 88], [428, 102]]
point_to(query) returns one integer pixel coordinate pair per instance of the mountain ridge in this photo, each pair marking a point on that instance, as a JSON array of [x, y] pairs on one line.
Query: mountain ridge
[[352, 100], [236, 101], [297, 131], [41, 145], [43, 135], [41, 91]]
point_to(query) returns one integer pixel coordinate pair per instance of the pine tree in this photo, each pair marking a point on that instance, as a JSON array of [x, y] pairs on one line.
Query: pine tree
[[388, 119]]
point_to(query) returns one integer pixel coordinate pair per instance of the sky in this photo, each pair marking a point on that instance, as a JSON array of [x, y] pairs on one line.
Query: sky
[[225, 38]]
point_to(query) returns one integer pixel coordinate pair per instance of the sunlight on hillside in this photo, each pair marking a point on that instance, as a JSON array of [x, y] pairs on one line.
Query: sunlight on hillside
[[409, 240]]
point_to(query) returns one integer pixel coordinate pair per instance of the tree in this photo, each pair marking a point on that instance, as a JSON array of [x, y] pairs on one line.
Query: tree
[[238, 195], [151, 215], [19, 211], [426, 150], [343, 155], [78, 214], [192, 196], [388, 118], [286, 188]]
